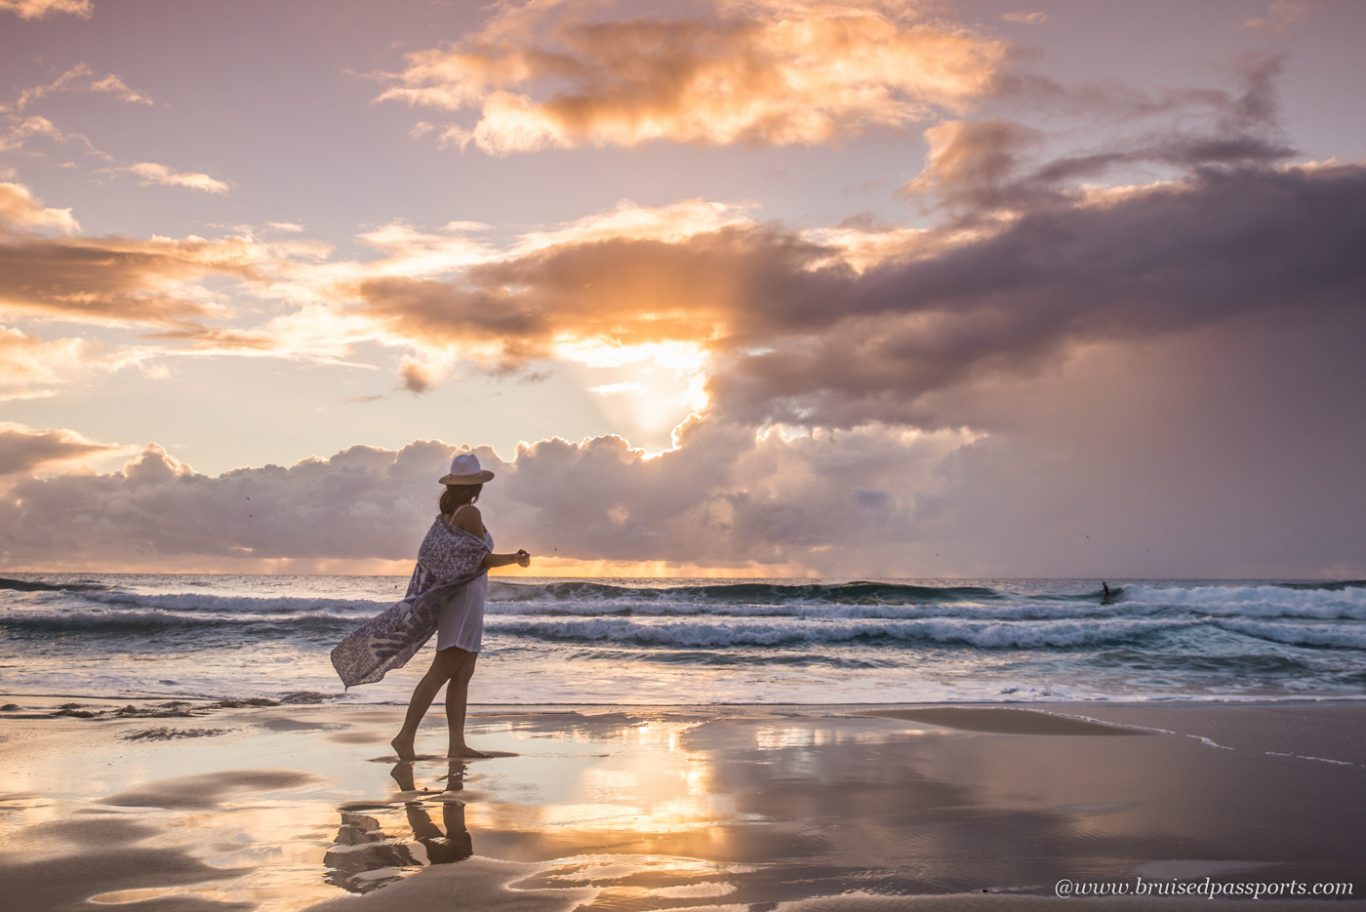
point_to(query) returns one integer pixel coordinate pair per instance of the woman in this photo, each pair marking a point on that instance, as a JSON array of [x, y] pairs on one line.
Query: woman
[[460, 624]]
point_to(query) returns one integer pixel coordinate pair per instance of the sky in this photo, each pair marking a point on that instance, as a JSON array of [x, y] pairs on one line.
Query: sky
[[740, 288]]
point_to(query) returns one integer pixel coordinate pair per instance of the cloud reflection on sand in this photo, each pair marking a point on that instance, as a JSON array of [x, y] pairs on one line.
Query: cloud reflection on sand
[[653, 809]]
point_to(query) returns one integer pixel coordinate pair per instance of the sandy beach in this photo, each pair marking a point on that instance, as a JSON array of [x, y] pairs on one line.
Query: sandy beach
[[203, 806]]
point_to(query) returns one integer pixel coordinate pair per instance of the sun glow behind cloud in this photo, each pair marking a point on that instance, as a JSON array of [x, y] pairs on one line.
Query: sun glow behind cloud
[[650, 387]]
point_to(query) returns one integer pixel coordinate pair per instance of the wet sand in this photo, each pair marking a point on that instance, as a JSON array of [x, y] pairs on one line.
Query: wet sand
[[777, 808]]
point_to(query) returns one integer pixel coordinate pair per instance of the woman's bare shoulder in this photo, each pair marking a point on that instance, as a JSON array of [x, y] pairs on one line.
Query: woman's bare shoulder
[[468, 517]]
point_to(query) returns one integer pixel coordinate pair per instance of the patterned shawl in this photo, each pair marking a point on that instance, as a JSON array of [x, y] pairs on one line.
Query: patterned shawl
[[447, 560]]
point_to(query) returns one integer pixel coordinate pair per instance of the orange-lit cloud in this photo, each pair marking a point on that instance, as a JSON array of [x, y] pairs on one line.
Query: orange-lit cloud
[[81, 78], [114, 280], [156, 173], [577, 74], [19, 131], [31, 367], [20, 209], [111, 280], [37, 9]]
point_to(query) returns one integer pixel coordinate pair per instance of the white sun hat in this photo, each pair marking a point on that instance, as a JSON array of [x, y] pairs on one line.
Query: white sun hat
[[465, 470]]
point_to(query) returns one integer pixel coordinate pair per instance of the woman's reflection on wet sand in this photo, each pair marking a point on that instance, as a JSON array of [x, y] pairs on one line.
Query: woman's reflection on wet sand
[[364, 857]]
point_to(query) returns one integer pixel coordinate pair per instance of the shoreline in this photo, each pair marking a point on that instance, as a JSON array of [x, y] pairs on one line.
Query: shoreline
[[311, 698], [1032, 717]]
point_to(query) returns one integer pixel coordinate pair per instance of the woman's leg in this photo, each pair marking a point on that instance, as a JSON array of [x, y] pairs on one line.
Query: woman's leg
[[443, 666], [457, 694]]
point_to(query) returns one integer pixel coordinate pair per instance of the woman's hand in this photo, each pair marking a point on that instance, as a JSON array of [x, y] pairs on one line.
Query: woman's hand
[[523, 558]]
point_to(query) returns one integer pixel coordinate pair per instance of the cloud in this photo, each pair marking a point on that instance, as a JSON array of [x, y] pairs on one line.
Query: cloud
[[726, 497], [1139, 366], [1216, 247], [1223, 451], [1280, 15], [359, 503], [20, 209], [803, 336], [1026, 18], [154, 173], [161, 287], [114, 280], [705, 274], [575, 74], [18, 132], [80, 78], [25, 449], [417, 377], [32, 368], [37, 9], [977, 163], [979, 166], [1098, 106]]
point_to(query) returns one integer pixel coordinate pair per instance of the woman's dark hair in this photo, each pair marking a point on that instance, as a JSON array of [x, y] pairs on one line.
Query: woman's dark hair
[[459, 494]]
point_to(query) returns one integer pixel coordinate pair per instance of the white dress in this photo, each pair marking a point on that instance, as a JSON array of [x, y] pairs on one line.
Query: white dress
[[462, 618]]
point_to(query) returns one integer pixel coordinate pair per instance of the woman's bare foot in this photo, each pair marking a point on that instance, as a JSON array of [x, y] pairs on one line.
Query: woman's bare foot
[[403, 775], [464, 750], [404, 748]]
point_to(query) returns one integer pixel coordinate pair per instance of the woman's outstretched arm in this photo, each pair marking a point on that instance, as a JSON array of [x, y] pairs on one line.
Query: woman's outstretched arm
[[493, 561]]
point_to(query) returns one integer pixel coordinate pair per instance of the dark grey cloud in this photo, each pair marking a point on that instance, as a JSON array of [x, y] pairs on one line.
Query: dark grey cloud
[[1220, 245], [977, 167], [1251, 105]]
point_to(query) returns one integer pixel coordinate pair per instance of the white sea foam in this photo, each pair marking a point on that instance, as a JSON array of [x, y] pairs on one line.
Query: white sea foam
[[1252, 601], [595, 640], [1332, 636], [991, 635]]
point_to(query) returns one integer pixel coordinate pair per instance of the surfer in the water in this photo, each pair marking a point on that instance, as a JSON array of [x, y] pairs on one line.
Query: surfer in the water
[[1104, 593]]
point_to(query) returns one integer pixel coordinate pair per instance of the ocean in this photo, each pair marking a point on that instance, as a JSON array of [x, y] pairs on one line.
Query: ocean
[[701, 641]]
